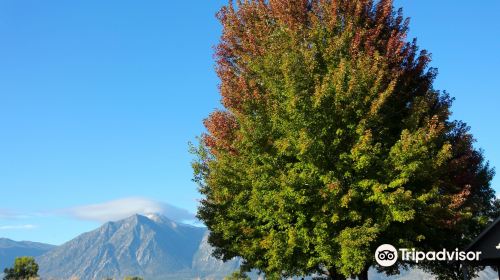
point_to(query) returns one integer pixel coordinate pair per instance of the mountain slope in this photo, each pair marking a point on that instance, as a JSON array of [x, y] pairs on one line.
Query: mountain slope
[[10, 249], [205, 265], [153, 247]]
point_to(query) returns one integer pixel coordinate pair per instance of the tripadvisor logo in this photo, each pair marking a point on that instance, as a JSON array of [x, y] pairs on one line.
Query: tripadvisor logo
[[387, 255]]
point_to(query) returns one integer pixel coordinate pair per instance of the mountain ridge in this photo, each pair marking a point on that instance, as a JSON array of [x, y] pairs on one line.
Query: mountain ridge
[[10, 249], [151, 246]]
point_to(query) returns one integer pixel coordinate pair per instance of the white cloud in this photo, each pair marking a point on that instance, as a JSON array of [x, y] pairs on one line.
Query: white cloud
[[125, 207], [7, 227]]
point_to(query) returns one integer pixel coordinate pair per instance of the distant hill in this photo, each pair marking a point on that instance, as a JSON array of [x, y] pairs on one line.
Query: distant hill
[[150, 246], [10, 249]]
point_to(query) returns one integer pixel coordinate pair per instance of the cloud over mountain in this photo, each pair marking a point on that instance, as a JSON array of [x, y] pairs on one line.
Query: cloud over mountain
[[121, 208]]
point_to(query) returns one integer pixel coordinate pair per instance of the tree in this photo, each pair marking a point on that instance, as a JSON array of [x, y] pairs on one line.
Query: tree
[[332, 141], [133, 278], [237, 275], [24, 268]]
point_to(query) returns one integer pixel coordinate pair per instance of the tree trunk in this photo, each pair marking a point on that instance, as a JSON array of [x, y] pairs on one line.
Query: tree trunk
[[465, 271], [363, 275], [334, 275]]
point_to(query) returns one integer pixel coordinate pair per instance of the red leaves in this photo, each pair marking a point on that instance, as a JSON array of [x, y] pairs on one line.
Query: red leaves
[[221, 127], [249, 28], [245, 28], [291, 13], [460, 198], [383, 11]]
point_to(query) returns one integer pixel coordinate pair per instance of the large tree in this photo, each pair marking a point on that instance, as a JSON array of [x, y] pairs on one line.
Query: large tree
[[332, 141]]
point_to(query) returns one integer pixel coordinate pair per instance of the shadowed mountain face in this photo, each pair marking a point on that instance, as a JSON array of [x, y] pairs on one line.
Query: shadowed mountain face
[[10, 249], [153, 247]]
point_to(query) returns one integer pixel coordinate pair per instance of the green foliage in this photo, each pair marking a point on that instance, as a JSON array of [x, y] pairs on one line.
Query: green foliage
[[133, 278], [333, 141], [25, 268], [237, 275]]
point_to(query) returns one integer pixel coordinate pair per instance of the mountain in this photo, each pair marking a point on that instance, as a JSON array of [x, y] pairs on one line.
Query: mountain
[[10, 249], [151, 246], [206, 265]]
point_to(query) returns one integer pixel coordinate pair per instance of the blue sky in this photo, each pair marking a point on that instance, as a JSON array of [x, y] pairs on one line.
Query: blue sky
[[98, 100]]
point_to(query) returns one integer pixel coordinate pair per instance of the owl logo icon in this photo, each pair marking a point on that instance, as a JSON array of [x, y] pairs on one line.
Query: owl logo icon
[[386, 255]]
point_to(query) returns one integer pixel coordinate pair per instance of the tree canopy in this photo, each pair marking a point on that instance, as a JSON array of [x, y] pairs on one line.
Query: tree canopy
[[133, 278], [25, 268], [237, 275], [332, 141]]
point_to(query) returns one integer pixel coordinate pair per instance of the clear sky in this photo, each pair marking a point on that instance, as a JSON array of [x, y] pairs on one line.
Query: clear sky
[[98, 100]]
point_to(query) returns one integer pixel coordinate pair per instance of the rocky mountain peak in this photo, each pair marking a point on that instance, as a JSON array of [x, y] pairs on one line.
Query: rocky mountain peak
[[150, 245]]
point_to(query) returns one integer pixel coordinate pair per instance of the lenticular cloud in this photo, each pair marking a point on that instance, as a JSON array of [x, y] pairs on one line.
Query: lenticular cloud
[[121, 208]]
